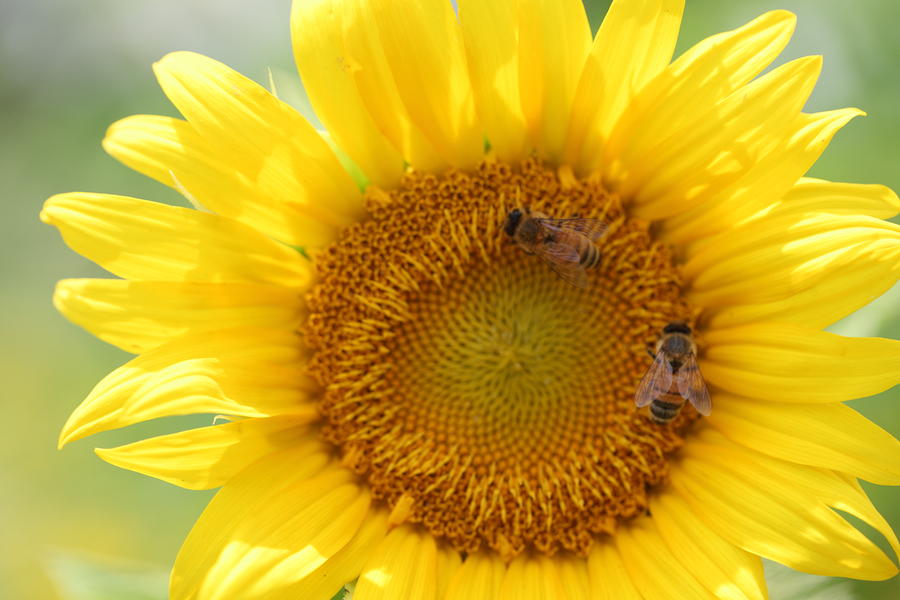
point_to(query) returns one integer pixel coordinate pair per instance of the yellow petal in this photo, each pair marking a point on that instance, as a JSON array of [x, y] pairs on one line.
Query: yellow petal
[[491, 35], [137, 239], [608, 577], [723, 568], [838, 490], [832, 436], [268, 529], [479, 577], [769, 179], [170, 151], [248, 373], [138, 316], [780, 510], [838, 198], [264, 139], [694, 84], [809, 199], [854, 500], [573, 577], [783, 237], [348, 563], [423, 47], [655, 571], [683, 168], [775, 257], [403, 566], [531, 578], [207, 457], [787, 363], [821, 301], [317, 32], [634, 43], [554, 41], [448, 563], [367, 63]]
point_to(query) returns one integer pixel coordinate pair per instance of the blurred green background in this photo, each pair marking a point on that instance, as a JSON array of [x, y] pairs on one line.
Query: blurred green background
[[73, 527]]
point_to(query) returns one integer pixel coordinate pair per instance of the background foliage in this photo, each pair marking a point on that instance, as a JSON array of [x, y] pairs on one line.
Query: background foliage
[[72, 527]]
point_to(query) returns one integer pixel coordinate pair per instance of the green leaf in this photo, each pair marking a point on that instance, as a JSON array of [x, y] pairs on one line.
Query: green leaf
[[346, 592]]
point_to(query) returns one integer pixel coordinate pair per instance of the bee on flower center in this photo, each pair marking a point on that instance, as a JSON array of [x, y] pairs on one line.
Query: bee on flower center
[[674, 377], [566, 245]]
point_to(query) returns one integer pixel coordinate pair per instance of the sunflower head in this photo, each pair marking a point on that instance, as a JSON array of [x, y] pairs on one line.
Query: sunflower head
[[437, 397], [447, 353]]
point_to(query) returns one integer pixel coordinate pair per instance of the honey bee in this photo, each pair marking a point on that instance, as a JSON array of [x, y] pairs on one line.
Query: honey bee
[[673, 377], [566, 245]]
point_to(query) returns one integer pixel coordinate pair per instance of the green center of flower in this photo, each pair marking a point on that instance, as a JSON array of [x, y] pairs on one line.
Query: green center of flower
[[477, 392]]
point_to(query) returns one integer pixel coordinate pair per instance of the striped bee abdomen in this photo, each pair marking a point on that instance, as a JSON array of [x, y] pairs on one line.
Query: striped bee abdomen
[[666, 408], [589, 254]]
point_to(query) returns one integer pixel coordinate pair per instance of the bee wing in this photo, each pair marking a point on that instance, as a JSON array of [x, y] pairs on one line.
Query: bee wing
[[657, 381], [692, 387], [592, 229], [565, 261]]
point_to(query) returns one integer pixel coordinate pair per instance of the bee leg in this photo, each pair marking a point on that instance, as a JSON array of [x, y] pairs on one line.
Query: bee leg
[[650, 352]]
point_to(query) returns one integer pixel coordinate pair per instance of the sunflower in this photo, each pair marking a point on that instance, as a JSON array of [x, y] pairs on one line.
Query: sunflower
[[415, 403]]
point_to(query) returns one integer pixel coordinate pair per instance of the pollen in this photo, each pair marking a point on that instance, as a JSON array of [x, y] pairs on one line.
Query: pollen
[[479, 394]]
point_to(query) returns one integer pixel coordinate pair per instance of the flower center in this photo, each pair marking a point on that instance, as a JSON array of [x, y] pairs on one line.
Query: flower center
[[477, 392]]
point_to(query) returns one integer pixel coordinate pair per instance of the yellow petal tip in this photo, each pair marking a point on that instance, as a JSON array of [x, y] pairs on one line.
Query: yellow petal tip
[[781, 19], [170, 56], [815, 59], [890, 197], [109, 455], [782, 15], [65, 437], [113, 130], [74, 429], [60, 294], [166, 63], [180, 60], [115, 140], [49, 212]]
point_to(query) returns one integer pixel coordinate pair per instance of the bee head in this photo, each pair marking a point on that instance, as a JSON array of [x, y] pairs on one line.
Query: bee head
[[512, 221], [677, 327]]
